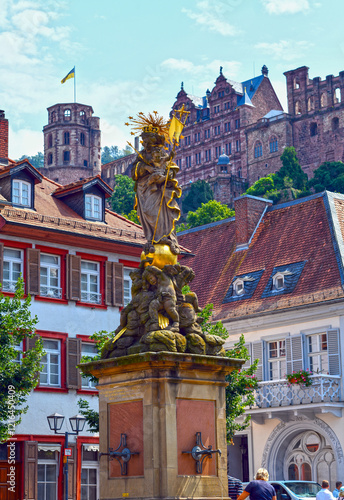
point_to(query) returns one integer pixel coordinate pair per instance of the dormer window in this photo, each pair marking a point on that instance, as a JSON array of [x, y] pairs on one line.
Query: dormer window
[[238, 287], [21, 193], [93, 207], [278, 281]]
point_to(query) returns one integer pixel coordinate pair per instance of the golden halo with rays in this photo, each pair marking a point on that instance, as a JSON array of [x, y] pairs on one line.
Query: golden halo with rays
[[152, 122]]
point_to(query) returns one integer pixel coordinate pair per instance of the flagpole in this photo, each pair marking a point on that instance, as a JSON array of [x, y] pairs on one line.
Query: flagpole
[[74, 85]]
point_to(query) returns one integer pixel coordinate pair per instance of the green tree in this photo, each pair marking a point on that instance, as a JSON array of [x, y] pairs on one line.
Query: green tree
[[36, 161], [330, 176], [111, 153], [290, 168], [200, 192], [239, 393], [123, 196], [208, 212], [17, 377]]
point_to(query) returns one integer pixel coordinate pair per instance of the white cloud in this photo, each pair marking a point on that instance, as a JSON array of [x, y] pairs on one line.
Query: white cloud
[[211, 14], [286, 50], [24, 141], [286, 6]]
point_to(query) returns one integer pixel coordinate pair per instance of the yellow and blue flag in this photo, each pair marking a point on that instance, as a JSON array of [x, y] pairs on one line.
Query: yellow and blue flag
[[71, 74]]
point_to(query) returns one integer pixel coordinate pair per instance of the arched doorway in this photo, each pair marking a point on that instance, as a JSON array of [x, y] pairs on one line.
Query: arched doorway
[[303, 449]]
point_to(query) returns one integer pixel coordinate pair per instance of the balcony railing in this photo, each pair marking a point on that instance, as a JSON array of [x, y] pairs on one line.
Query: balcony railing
[[50, 291], [324, 389], [92, 297]]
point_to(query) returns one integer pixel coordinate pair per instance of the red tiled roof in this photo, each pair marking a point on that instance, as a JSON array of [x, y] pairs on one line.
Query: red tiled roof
[[293, 233], [75, 185]]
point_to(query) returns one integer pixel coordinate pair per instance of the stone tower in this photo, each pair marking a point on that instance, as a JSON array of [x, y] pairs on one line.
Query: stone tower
[[71, 143]]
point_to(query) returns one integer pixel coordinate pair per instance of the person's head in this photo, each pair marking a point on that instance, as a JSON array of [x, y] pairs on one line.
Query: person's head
[[262, 474], [338, 484], [325, 484]]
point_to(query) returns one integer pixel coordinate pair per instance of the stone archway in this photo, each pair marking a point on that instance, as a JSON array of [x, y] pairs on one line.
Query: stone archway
[[278, 451]]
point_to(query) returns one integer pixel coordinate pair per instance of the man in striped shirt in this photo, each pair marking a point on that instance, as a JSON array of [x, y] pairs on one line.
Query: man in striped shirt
[[234, 487]]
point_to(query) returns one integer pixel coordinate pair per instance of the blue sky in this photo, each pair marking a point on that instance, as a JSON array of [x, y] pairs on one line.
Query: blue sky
[[132, 55]]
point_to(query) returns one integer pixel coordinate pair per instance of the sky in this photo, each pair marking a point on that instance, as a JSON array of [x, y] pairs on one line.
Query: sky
[[132, 55]]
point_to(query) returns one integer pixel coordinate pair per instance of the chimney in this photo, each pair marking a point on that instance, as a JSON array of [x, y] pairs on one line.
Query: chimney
[[3, 138], [137, 143], [248, 212]]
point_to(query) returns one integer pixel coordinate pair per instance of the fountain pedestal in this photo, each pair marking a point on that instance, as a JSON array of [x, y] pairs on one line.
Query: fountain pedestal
[[154, 406]]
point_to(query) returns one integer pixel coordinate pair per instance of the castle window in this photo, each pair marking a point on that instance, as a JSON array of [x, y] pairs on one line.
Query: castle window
[[21, 193], [323, 100], [53, 116], [237, 145], [335, 123], [336, 96], [85, 164], [237, 123], [296, 84], [66, 156], [50, 141], [83, 116], [273, 145], [67, 114], [93, 207], [313, 129], [298, 110], [310, 104], [258, 150], [50, 158], [66, 138], [82, 139], [229, 148]]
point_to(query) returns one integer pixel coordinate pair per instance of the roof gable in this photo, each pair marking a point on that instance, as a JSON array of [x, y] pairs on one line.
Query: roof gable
[[83, 185]]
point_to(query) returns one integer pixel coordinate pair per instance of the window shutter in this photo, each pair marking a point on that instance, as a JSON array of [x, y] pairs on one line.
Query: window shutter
[[72, 473], [333, 351], [1, 262], [33, 271], [258, 353], [109, 283], [118, 284], [248, 363], [73, 358], [30, 344], [294, 353], [30, 470], [73, 277]]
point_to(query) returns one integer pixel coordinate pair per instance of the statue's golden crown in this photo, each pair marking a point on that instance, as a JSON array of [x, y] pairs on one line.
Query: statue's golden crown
[[152, 122]]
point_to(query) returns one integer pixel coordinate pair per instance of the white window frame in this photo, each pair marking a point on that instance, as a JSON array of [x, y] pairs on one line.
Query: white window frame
[[277, 363], [89, 464], [49, 290], [238, 287], [46, 461], [19, 199], [88, 295], [46, 362], [126, 285], [9, 285], [275, 279], [92, 211], [320, 353], [86, 382]]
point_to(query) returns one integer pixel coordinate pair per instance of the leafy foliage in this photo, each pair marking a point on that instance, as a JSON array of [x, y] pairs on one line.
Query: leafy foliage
[[123, 196], [291, 168], [200, 192], [330, 176], [114, 153], [208, 212], [16, 379], [36, 161], [92, 416]]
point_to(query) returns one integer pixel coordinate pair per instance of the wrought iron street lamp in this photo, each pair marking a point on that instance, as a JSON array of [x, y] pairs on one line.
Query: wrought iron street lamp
[[77, 424]]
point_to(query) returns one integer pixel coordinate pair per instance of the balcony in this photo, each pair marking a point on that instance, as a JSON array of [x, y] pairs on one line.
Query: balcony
[[279, 399]]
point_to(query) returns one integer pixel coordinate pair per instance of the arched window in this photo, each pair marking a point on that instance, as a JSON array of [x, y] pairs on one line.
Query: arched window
[[323, 100], [83, 116], [50, 158], [313, 129], [67, 114], [258, 149], [66, 138], [310, 103], [273, 145], [296, 84], [335, 123], [238, 287], [336, 96], [66, 156], [50, 141], [298, 109], [278, 281], [82, 139]]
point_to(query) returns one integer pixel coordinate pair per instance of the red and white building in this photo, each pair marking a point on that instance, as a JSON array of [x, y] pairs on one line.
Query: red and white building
[[75, 256]]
